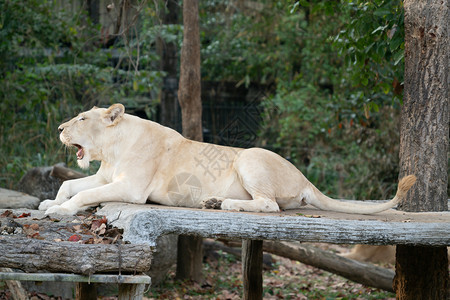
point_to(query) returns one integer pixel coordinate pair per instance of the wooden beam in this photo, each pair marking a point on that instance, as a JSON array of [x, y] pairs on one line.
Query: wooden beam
[[144, 223], [63, 277]]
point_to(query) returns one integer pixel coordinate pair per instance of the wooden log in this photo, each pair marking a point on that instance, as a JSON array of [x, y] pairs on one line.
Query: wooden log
[[64, 173], [144, 223], [32, 255], [63, 277], [363, 273], [252, 255]]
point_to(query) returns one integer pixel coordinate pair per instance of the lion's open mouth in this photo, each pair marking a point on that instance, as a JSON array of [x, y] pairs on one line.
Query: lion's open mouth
[[80, 152]]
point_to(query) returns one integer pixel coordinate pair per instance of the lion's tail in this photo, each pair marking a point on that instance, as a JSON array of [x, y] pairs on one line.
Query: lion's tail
[[324, 202]]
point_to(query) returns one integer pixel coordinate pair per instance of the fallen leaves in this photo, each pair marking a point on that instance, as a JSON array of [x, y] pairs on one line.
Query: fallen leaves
[[32, 231], [94, 230], [84, 229], [288, 280]]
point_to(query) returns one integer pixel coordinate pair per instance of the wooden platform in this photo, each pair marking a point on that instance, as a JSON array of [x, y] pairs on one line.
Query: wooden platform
[[144, 223]]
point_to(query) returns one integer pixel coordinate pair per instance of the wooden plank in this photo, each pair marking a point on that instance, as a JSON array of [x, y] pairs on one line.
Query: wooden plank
[[144, 223], [252, 256], [62, 277]]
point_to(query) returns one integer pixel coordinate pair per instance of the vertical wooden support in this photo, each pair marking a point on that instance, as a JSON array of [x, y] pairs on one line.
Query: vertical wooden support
[[252, 267], [189, 258], [131, 291], [86, 291]]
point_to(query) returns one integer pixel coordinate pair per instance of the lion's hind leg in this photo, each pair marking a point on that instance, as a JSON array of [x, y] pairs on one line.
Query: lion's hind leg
[[258, 204]]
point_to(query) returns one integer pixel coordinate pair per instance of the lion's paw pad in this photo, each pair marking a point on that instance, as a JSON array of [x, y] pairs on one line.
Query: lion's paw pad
[[212, 203]]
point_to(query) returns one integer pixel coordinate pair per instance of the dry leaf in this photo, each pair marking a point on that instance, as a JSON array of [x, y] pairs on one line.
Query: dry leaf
[[7, 214], [24, 215], [74, 238]]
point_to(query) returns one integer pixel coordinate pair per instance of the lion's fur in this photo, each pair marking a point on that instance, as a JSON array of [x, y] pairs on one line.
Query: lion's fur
[[142, 160]]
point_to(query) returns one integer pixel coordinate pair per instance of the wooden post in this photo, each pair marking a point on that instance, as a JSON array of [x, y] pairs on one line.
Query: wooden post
[[189, 258], [131, 291], [86, 291], [422, 272], [252, 267]]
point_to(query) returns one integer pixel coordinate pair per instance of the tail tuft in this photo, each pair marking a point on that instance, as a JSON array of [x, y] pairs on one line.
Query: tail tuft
[[405, 184]]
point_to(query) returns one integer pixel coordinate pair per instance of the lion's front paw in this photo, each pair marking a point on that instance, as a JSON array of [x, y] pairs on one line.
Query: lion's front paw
[[46, 204], [60, 210], [212, 203]]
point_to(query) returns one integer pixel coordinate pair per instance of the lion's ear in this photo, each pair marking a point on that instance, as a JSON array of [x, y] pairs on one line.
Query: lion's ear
[[113, 114]]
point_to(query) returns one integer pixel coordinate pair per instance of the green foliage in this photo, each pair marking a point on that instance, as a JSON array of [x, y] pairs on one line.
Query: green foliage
[[249, 41], [372, 46], [52, 67], [335, 68]]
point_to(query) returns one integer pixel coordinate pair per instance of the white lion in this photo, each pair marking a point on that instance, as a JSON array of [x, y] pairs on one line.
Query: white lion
[[142, 160]]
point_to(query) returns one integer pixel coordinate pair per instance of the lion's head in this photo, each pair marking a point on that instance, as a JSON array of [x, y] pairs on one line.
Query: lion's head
[[88, 130]]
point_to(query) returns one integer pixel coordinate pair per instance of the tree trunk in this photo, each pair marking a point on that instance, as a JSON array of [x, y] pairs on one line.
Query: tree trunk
[[189, 91], [169, 62], [421, 272], [424, 128], [190, 254]]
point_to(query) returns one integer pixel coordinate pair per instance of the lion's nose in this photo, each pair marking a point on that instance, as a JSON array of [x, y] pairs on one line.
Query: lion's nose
[[60, 129]]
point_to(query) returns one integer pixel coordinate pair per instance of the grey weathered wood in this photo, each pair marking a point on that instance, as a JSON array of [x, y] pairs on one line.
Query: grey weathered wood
[[32, 255], [144, 223], [130, 286], [62, 277], [252, 256]]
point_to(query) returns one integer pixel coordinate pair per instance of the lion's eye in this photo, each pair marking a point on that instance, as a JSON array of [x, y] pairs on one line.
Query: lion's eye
[[81, 118]]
